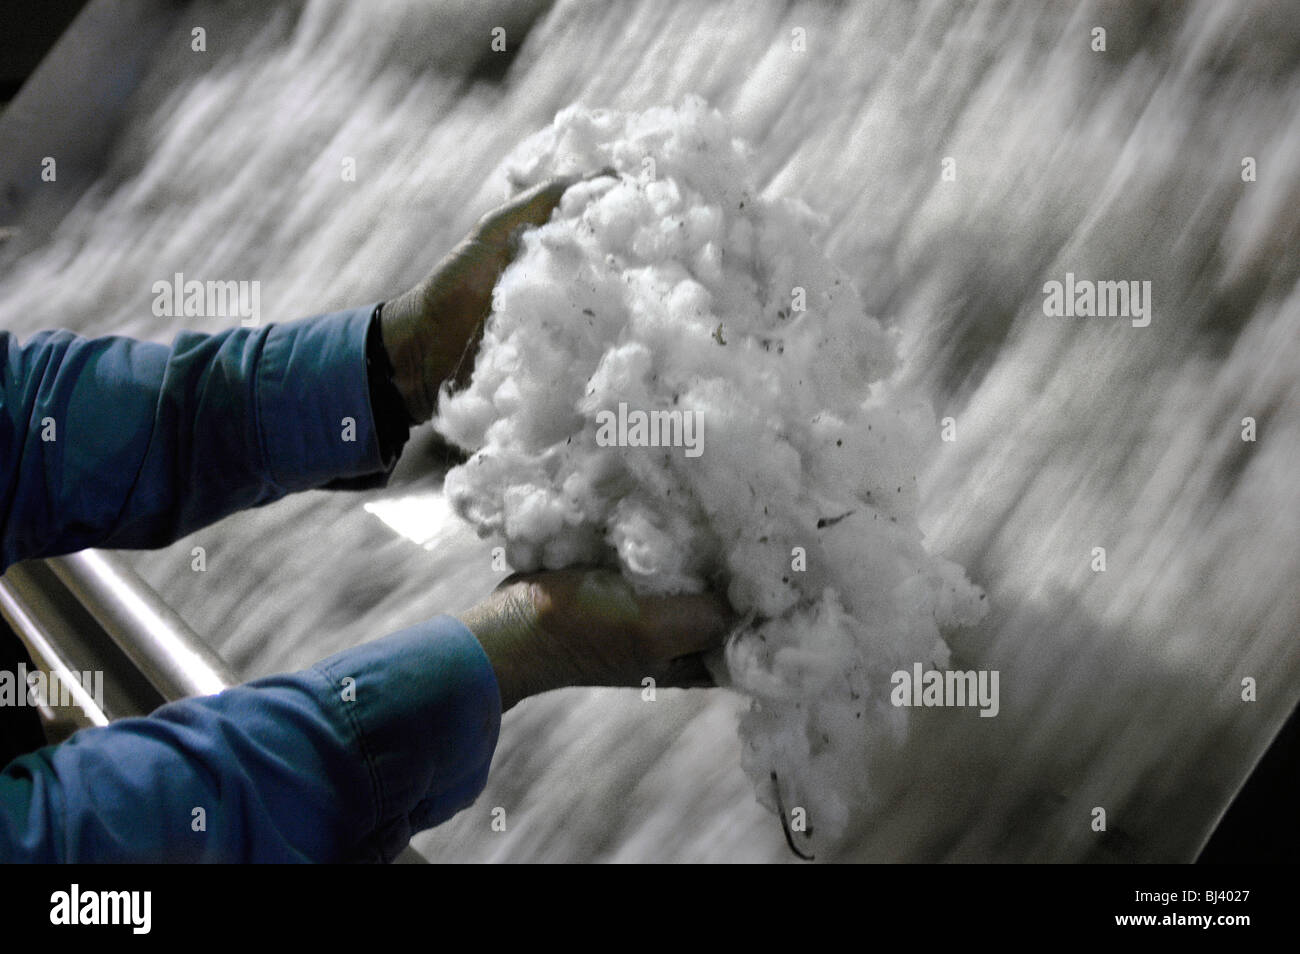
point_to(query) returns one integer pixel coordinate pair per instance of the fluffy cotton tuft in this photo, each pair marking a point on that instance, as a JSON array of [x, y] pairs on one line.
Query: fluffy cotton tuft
[[674, 287]]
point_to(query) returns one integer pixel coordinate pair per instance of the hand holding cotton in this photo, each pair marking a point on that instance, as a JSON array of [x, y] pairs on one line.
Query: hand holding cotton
[[677, 382]]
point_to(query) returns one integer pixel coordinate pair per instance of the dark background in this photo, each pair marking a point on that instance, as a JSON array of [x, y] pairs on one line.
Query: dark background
[[28, 28]]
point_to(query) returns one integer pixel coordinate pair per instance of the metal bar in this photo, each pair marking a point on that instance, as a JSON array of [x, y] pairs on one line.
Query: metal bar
[[22, 618], [58, 631], [164, 649]]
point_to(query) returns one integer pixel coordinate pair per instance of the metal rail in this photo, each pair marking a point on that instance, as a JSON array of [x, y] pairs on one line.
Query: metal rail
[[90, 612], [169, 654], [24, 618]]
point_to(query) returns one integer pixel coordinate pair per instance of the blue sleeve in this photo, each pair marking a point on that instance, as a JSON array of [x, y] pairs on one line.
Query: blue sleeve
[[342, 762], [120, 443]]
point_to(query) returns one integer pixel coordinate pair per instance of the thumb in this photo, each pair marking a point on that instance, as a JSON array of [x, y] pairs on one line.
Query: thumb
[[685, 624], [531, 207]]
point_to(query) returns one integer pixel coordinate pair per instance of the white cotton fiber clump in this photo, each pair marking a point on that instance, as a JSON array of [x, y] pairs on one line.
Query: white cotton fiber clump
[[781, 464]]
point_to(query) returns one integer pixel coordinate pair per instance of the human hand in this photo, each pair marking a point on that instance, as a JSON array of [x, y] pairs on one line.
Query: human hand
[[432, 331], [560, 628]]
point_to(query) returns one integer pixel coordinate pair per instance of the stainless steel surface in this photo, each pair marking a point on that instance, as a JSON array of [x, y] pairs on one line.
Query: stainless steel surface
[[168, 653], [26, 621], [56, 627]]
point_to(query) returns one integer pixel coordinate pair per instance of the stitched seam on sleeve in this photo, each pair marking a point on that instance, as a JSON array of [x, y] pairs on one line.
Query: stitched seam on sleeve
[[378, 796], [258, 416]]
